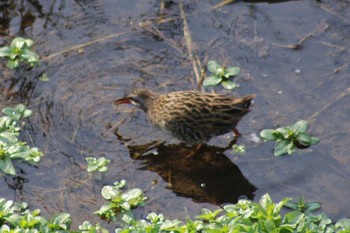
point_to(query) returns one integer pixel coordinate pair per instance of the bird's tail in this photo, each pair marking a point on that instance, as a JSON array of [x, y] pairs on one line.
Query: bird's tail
[[247, 100]]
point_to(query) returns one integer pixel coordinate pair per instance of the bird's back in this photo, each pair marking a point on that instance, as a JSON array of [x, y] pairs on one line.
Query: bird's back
[[195, 117]]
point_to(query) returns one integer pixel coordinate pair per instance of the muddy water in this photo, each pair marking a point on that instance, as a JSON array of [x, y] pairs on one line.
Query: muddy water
[[293, 54]]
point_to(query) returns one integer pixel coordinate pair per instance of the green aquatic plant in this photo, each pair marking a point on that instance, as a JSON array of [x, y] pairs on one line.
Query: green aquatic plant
[[97, 164], [15, 217], [221, 74], [119, 203], [289, 138], [238, 149], [20, 50], [264, 216], [302, 206], [10, 146]]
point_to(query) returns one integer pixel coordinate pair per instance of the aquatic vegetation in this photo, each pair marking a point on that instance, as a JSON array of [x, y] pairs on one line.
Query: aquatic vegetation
[[221, 74], [289, 138], [10, 146], [119, 203], [238, 149], [97, 164], [244, 216], [20, 50], [15, 217]]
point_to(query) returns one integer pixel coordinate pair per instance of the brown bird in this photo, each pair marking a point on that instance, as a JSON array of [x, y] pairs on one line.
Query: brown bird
[[191, 116]]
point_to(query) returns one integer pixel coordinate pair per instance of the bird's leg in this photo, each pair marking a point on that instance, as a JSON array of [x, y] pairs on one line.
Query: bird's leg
[[236, 133], [194, 152]]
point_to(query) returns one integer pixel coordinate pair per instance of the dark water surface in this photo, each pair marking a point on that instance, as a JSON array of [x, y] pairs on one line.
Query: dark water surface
[[293, 54]]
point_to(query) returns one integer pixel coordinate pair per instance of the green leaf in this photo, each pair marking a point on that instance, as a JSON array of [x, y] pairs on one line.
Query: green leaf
[[294, 218], [270, 225], [220, 72], [30, 57], [29, 43], [44, 77], [13, 63], [5, 52], [110, 192], [131, 194], [27, 113], [127, 217], [343, 224], [7, 166], [211, 80], [8, 137], [304, 139], [61, 221], [104, 208], [281, 148], [285, 132], [213, 66], [19, 42], [229, 85], [312, 206], [315, 140], [299, 127], [269, 135], [232, 71]]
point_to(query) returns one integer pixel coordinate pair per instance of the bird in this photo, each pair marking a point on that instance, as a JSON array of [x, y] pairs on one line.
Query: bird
[[192, 117]]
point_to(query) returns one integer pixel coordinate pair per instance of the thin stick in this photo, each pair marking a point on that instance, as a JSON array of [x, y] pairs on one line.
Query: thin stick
[[300, 43], [83, 45], [199, 84], [340, 68], [326, 8], [188, 40], [345, 93], [221, 4]]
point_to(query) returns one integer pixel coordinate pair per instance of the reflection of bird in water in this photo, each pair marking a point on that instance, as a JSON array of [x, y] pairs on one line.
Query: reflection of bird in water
[[191, 116], [209, 178]]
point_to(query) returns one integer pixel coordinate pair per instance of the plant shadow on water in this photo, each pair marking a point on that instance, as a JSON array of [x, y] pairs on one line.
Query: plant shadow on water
[[209, 176]]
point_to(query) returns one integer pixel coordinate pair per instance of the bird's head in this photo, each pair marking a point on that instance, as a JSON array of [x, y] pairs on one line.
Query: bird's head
[[140, 98]]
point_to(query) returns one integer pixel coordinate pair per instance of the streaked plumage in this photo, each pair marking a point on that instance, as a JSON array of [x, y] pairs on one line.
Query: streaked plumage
[[191, 116]]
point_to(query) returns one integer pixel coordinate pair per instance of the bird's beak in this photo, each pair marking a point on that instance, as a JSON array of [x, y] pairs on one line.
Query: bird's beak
[[125, 100]]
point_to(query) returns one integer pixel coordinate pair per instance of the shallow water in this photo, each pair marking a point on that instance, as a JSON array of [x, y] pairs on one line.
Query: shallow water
[[293, 54]]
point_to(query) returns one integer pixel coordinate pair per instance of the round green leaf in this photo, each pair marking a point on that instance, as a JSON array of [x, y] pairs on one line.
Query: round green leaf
[[27, 113], [232, 71], [268, 135], [110, 192], [315, 140], [7, 166], [213, 66], [13, 64], [18, 42], [30, 56], [134, 193], [211, 80], [229, 85], [5, 51], [299, 126], [304, 139], [220, 72]]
